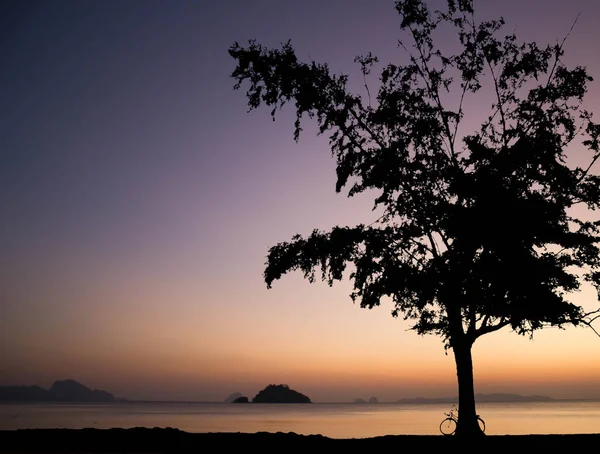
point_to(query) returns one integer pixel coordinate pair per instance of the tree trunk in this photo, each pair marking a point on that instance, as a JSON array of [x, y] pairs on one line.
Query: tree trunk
[[467, 415]]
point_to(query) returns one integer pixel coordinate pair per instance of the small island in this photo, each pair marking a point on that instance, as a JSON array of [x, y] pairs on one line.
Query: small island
[[372, 400], [232, 397]]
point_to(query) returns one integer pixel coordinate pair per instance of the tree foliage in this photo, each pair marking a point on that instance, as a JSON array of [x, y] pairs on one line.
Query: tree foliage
[[479, 225]]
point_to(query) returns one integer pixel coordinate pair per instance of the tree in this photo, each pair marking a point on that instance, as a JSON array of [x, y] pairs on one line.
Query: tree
[[479, 231]]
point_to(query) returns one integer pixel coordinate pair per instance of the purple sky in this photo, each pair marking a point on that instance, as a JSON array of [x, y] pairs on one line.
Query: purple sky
[[138, 200]]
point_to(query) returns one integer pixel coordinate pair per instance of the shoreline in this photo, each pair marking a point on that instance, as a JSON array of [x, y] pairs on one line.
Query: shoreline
[[170, 440]]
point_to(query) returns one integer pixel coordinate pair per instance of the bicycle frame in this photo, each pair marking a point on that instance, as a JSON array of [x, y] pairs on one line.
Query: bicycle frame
[[448, 425]]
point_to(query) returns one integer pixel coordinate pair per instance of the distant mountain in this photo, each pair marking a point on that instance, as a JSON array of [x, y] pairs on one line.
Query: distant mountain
[[24, 394], [480, 397], [280, 394], [373, 400], [70, 390], [502, 397], [232, 397], [359, 401], [61, 391], [419, 400]]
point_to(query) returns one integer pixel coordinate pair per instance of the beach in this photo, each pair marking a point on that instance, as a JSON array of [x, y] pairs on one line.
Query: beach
[[169, 440]]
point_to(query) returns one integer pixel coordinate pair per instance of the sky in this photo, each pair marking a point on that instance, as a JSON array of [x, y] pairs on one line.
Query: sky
[[139, 198]]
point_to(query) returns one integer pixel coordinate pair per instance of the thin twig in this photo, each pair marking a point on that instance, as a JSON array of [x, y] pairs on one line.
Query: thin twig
[[560, 49], [367, 87], [500, 102], [589, 167]]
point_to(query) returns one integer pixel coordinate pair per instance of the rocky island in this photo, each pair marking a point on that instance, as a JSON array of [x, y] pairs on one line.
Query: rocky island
[[280, 394], [275, 394]]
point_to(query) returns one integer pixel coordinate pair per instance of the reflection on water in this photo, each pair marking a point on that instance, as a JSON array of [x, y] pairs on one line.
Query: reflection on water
[[332, 420]]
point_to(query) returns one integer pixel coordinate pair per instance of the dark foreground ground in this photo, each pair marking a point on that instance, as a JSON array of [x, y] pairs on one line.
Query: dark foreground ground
[[141, 440]]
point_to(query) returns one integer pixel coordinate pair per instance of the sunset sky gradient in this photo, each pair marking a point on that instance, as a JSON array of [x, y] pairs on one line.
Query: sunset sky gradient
[[138, 200]]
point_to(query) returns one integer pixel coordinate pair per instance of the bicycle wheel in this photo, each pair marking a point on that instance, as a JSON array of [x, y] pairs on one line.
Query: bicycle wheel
[[448, 426], [481, 423]]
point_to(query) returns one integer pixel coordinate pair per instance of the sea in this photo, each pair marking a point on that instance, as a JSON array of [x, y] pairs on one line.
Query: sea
[[335, 420]]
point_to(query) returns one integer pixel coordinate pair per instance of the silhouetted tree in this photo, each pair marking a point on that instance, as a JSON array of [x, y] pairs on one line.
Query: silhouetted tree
[[479, 231]]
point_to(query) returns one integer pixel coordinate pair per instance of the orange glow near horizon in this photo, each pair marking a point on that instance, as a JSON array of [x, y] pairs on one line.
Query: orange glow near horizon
[[383, 360]]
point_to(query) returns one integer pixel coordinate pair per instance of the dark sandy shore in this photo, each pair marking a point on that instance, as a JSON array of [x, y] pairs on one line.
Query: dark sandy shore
[[142, 440]]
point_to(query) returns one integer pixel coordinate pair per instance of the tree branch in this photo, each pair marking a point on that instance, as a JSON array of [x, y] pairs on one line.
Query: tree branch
[[559, 50], [367, 87], [434, 246], [485, 329], [433, 94], [376, 139], [587, 170], [589, 321], [499, 98], [472, 318], [444, 239], [460, 104]]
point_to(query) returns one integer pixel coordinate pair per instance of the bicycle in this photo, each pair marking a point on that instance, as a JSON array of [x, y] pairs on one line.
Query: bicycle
[[448, 425]]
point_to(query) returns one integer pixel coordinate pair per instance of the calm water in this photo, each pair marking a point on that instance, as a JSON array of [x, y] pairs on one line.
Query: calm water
[[332, 420]]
